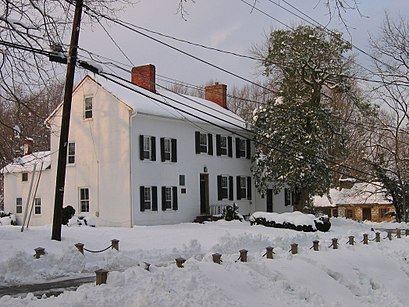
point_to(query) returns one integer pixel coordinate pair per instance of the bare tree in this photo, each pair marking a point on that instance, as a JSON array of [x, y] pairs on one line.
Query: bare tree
[[390, 147]]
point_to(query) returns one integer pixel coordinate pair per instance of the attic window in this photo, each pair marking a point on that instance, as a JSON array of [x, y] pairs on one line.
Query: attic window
[[88, 108], [24, 177]]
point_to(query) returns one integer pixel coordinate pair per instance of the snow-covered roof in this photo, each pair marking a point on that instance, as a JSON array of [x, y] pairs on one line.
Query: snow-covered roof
[[168, 104], [42, 160], [359, 194]]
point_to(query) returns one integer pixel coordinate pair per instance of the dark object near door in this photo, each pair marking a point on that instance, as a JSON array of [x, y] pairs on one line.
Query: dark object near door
[[67, 213]]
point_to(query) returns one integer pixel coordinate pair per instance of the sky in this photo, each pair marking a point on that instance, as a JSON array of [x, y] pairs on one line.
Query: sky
[[230, 25], [356, 275]]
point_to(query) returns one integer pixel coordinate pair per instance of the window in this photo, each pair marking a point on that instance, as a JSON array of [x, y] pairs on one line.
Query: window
[[88, 108], [243, 187], [148, 198], [168, 149], [19, 205], [288, 197], [349, 213], [37, 206], [71, 153], [204, 143], [224, 187], [169, 198], [147, 146], [84, 199], [182, 180], [24, 177], [383, 212], [223, 145], [242, 148]]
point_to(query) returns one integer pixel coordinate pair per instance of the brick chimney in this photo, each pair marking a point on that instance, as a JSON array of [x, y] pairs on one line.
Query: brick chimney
[[28, 146], [144, 76], [217, 93]]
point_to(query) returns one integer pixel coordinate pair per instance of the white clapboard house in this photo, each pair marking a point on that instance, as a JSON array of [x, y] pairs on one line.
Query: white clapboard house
[[153, 157]]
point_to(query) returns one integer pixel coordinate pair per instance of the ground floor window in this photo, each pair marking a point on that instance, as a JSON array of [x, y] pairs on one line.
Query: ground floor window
[[84, 199], [349, 213], [37, 206], [148, 198], [169, 198], [383, 212], [19, 205]]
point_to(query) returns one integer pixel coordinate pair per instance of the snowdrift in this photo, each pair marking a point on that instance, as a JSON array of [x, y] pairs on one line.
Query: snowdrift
[[291, 220]]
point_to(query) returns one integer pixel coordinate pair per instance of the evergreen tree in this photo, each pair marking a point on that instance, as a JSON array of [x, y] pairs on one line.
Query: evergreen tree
[[298, 133]]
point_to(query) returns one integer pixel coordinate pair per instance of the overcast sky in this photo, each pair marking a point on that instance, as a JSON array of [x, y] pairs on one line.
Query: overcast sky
[[226, 24]]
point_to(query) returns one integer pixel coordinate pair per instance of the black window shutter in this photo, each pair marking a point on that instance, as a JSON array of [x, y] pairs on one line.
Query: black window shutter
[[248, 149], [142, 198], [141, 147], [175, 198], [210, 144], [249, 188], [219, 187], [163, 198], [230, 146], [230, 187], [162, 149], [154, 199], [238, 187], [218, 149], [153, 147], [174, 150], [197, 142], [237, 147]]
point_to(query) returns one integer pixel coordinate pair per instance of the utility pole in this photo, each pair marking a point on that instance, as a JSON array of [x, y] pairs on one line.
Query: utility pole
[[65, 123]]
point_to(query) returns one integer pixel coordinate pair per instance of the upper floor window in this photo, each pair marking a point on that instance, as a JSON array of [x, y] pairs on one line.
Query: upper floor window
[[243, 187], [19, 205], [84, 199], [24, 177], [242, 148], [37, 205], [148, 198], [169, 198], [147, 147], [223, 145], [224, 187], [88, 107], [204, 142], [168, 149], [71, 153]]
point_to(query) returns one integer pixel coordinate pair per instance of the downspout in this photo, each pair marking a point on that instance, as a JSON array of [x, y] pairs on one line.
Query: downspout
[[133, 114]]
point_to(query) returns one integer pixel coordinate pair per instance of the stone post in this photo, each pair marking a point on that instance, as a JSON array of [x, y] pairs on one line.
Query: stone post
[[180, 261], [80, 247], [334, 243], [351, 240], [365, 240], [243, 255], [377, 237], [269, 252], [294, 248], [217, 258], [315, 245], [39, 252], [115, 244]]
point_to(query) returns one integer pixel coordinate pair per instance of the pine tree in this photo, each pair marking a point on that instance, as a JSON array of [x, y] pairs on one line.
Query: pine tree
[[297, 132]]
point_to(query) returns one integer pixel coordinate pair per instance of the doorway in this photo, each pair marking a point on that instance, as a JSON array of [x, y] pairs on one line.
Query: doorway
[[270, 200], [204, 194]]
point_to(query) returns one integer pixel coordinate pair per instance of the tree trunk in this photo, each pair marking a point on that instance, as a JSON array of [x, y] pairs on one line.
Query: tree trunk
[[300, 199]]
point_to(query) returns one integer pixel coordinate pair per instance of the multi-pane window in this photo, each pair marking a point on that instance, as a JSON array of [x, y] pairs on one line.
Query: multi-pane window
[[349, 213], [223, 145], [148, 198], [168, 149], [243, 187], [383, 212], [84, 199], [37, 205], [169, 198], [288, 200], [242, 148], [19, 205], [204, 142], [88, 107], [224, 187], [147, 147], [24, 177], [71, 153]]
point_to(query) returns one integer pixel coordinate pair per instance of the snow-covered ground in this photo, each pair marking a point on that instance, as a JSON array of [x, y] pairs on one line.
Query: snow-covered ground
[[376, 274]]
